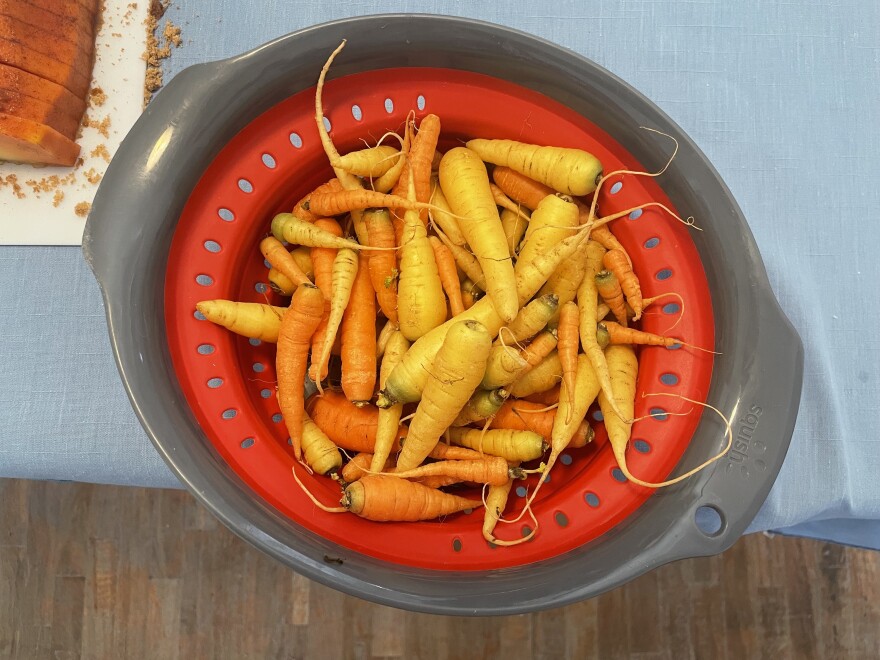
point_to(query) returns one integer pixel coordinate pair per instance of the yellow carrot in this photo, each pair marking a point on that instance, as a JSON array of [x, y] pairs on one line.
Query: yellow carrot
[[254, 320]]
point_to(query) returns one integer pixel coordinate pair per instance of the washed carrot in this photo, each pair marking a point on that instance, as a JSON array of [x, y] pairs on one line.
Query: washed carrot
[[540, 347], [442, 216], [509, 444], [568, 345], [390, 498], [358, 332], [503, 367], [491, 470], [602, 234], [302, 255], [387, 181], [522, 415], [609, 289], [382, 264], [384, 335], [566, 279], [301, 213], [552, 222], [288, 227], [496, 502], [618, 263], [470, 293], [574, 401], [280, 283], [388, 420], [532, 318], [297, 326], [448, 272], [506, 203], [319, 451], [345, 201], [465, 260], [418, 161], [618, 334], [569, 171], [322, 263], [421, 306], [370, 162], [465, 184], [254, 320], [455, 374], [444, 452], [282, 261], [539, 378], [361, 465], [350, 183], [624, 368], [546, 398], [533, 275], [520, 188], [482, 405], [515, 226], [349, 427], [342, 278], [437, 480]]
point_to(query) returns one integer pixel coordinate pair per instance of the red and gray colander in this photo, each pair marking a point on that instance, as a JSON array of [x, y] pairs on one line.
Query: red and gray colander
[[226, 145]]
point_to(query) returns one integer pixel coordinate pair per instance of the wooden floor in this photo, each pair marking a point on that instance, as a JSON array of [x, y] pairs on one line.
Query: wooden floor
[[107, 572]]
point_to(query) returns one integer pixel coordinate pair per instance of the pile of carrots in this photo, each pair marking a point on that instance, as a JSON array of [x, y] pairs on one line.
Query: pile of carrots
[[478, 304]]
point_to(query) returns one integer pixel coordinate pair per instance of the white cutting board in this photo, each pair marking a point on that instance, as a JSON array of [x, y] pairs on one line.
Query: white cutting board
[[39, 218]]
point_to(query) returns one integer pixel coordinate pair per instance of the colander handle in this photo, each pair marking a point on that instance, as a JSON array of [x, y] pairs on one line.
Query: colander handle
[[740, 482]]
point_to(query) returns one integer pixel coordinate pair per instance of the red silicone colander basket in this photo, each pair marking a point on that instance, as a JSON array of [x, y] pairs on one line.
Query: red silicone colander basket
[[229, 381]]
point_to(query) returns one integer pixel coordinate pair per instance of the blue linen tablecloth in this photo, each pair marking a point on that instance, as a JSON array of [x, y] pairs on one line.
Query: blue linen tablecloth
[[782, 97]]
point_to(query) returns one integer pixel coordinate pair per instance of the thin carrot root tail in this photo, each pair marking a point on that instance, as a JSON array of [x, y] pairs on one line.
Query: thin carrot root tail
[[528, 537], [620, 455], [647, 302], [323, 507]]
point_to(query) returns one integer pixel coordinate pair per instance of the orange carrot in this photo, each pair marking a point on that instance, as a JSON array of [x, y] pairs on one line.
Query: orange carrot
[[382, 264], [330, 186], [618, 263], [359, 464], [444, 452], [540, 347], [522, 415], [359, 339], [349, 427], [322, 264], [277, 255], [568, 346], [448, 275], [520, 188], [344, 201], [546, 398], [606, 239], [492, 470], [610, 291], [437, 481], [618, 334], [419, 158], [297, 326], [390, 498]]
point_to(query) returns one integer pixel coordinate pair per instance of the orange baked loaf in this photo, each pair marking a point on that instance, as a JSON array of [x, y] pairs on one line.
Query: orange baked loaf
[[47, 50]]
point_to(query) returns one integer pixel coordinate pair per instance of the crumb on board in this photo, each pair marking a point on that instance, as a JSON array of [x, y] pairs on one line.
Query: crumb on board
[[97, 97], [82, 209], [159, 44], [93, 176], [101, 152], [11, 181], [101, 126], [57, 197]]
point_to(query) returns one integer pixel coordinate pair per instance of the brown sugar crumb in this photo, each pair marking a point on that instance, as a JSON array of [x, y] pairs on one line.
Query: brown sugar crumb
[[97, 97], [82, 209], [56, 199], [159, 46], [100, 126], [11, 181], [92, 176], [101, 152]]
